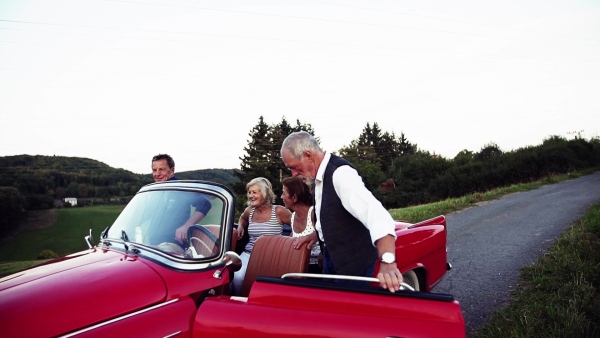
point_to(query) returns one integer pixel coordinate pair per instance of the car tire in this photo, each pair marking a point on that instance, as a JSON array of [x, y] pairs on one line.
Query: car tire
[[410, 278]]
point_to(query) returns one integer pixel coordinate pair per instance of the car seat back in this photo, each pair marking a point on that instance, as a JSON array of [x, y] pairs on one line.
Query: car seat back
[[274, 256], [205, 244], [234, 239]]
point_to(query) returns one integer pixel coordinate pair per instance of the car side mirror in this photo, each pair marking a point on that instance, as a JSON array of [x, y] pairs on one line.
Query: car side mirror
[[89, 240], [232, 262]]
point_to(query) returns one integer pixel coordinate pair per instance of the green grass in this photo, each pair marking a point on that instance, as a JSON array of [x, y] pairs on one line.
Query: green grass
[[66, 236], [559, 295]]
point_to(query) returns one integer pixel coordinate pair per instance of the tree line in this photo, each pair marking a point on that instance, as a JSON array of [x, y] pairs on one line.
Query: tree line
[[400, 174], [397, 172]]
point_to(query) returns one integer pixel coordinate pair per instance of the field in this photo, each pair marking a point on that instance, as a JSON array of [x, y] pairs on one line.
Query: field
[[63, 237]]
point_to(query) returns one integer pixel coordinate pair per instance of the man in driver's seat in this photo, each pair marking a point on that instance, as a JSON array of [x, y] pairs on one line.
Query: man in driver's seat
[[163, 169]]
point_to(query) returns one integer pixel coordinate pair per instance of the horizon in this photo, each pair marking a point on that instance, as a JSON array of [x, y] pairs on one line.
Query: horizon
[[574, 134]]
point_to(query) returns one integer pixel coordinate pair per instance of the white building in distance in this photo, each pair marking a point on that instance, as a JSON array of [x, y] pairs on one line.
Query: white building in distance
[[71, 200]]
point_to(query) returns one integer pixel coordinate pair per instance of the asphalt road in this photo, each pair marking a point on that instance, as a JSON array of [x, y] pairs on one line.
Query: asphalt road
[[488, 244]]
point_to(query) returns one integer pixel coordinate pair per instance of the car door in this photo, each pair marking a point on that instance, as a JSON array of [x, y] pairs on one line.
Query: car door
[[279, 307]]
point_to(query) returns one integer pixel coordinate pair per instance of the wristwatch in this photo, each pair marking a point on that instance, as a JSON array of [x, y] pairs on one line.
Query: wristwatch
[[388, 258]]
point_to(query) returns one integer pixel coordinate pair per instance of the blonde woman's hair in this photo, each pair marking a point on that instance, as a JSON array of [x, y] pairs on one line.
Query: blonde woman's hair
[[265, 187]]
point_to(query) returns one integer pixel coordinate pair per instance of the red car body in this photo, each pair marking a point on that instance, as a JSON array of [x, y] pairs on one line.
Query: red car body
[[421, 252], [137, 288]]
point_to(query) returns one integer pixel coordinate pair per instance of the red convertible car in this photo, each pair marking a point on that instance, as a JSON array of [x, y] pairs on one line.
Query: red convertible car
[[138, 282]]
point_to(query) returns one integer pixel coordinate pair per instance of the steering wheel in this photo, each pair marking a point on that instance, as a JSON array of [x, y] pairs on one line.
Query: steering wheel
[[202, 240], [171, 248]]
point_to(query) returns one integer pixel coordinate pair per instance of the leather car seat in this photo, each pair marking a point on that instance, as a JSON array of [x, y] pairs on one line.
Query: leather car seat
[[234, 239], [274, 256], [204, 244]]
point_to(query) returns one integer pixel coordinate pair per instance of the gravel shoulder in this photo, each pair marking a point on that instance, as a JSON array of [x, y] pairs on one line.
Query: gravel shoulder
[[488, 244]]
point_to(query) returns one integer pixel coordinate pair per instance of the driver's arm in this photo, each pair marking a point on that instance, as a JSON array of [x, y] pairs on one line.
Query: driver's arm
[[202, 206], [181, 232]]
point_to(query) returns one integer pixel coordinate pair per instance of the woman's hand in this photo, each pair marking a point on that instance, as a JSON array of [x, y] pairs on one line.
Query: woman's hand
[[310, 239]]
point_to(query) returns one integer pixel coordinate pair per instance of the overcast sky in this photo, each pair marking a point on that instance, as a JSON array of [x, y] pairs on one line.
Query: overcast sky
[[120, 81]]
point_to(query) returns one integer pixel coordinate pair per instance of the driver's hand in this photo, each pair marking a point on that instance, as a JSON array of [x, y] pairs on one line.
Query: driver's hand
[[389, 277], [181, 234]]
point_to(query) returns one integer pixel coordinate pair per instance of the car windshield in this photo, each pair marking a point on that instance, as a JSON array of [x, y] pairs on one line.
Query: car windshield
[[153, 217]]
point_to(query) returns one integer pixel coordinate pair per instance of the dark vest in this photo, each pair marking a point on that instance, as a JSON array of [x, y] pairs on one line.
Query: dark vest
[[347, 240]]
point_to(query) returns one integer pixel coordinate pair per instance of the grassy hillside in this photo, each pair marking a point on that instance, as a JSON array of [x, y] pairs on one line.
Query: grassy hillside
[[64, 237]]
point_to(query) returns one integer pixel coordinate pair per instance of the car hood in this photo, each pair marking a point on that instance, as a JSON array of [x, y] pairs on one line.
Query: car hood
[[85, 289]]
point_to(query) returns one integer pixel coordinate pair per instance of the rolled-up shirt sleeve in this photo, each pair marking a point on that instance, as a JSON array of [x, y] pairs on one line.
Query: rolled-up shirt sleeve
[[202, 204], [361, 203]]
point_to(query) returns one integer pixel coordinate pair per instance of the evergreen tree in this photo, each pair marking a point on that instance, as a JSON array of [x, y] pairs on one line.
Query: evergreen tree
[[256, 157], [262, 155], [376, 147], [489, 151]]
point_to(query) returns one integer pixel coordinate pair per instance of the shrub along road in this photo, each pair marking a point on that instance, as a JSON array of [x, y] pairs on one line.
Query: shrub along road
[[488, 244]]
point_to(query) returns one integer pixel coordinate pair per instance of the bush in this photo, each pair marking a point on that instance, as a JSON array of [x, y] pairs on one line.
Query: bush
[[12, 206], [47, 254]]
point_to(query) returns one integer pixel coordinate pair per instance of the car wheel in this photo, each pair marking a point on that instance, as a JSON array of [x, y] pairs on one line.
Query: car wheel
[[410, 278]]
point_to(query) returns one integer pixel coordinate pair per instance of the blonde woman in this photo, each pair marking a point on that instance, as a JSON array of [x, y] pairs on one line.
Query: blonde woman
[[261, 217]]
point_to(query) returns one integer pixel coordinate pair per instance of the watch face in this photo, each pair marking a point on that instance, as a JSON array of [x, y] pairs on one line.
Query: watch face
[[388, 257]]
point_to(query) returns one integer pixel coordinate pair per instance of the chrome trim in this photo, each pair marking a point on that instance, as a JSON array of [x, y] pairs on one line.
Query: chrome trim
[[13, 276], [185, 264], [89, 240], [344, 277], [190, 185], [119, 319]]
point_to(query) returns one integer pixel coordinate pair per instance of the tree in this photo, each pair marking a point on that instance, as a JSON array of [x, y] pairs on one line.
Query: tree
[[255, 160], [12, 207], [73, 189], [413, 175], [371, 174], [262, 156], [390, 148], [376, 147], [488, 152], [463, 157]]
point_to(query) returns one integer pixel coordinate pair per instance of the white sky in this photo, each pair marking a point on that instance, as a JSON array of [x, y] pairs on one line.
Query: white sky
[[121, 81]]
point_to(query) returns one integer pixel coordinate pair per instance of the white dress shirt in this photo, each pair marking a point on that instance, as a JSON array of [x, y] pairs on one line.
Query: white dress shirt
[[356, 199]]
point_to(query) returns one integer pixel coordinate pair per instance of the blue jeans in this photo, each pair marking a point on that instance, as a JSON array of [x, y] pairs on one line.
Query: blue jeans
[[329, 269]]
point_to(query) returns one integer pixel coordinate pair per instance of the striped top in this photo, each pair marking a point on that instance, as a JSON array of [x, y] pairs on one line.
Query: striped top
[[255, 230]]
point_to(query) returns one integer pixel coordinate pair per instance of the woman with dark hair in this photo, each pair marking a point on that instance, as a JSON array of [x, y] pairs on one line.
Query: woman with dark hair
[[298, 198]]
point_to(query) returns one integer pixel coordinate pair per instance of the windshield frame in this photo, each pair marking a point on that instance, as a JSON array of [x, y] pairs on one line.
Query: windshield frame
[[214, 190]]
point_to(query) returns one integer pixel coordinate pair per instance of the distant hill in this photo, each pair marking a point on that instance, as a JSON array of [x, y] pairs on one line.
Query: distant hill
[[50, 163], [223, 176], [43, 179]]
